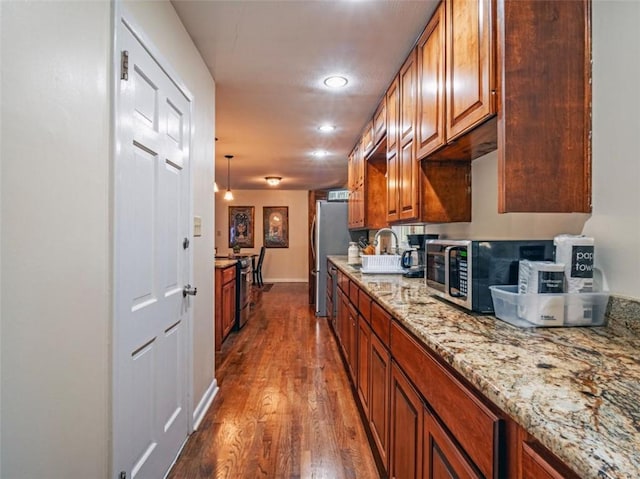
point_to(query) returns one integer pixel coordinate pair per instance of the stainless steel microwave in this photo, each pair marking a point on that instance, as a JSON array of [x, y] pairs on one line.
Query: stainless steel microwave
[[461, 271]]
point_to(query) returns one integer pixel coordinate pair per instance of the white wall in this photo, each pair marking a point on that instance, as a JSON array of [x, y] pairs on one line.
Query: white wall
[[55, 239], [280, 264], [162, 26], [615, 222], [55, 244], [615, 219]]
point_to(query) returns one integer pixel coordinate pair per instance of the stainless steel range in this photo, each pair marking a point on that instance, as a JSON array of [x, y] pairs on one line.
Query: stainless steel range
[[243, 290]]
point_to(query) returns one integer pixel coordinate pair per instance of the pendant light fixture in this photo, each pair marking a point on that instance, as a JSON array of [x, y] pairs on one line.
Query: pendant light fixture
[[228, 196]]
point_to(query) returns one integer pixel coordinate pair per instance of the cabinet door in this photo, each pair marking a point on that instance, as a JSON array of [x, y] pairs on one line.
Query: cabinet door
[[366, 144], [407, 165], [340, 314], [442, 457], [431, 105], [544, 158], [380, 122], [352, 181], [364, 370], [408, 93], [228, 307], [470, 66], [405, 461], [380, 368], [352, 324], [393, 104], [408, 177]]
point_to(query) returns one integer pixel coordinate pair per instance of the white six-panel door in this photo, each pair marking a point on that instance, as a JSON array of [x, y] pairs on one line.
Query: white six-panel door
[[151, 266]]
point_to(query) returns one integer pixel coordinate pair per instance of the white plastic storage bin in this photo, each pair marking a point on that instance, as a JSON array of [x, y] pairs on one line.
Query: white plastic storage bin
[[529, 310], [381, 264]]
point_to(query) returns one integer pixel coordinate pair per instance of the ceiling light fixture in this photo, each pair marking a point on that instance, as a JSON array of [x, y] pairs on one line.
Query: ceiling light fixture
[[273, 180], [336, 81], [320, 153], [228, 196], [326, 128]]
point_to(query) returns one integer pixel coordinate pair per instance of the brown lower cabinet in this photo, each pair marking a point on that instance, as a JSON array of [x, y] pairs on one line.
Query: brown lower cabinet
[[405, 460], [379, 378], [538, 463], [364, 367], [442, 457], [425, 420], [225, 294]]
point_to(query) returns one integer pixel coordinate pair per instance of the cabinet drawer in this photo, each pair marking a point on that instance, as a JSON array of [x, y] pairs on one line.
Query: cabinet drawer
[[380, 322], [353, 293], [538, 463], [364, 305], [343, 281], [228, 274], [472, 423]]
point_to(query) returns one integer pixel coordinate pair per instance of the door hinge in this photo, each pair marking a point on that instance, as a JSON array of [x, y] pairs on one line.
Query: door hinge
[[185, 243], [124, 65], [123, 475]]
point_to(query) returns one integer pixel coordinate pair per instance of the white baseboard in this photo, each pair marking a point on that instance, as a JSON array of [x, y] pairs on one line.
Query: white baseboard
[[205, 403]]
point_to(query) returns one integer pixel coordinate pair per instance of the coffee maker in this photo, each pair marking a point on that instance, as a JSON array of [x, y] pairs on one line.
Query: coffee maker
[[416, 242]]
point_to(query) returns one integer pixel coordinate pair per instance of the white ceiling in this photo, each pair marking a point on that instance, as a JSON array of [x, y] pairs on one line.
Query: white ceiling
[[268, 60]]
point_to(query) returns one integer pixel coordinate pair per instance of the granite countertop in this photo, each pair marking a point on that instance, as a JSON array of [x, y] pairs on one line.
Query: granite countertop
[[576, 390], [224, 263]]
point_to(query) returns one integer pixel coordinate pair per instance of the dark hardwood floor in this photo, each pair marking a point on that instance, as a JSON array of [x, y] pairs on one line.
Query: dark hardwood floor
[[285, 407]]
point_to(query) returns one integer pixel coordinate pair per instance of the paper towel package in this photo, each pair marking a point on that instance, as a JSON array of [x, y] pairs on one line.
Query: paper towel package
[[576, 252], [542, 278]]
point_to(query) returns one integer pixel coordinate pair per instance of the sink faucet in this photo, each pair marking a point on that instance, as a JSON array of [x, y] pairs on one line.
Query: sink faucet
[[386, 230]]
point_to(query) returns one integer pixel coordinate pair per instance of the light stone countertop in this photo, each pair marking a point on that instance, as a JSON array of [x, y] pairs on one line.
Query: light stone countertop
[[224, 263], [576, 390]]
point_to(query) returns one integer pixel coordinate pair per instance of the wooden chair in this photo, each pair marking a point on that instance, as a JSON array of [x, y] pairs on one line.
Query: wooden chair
[[257, 271]]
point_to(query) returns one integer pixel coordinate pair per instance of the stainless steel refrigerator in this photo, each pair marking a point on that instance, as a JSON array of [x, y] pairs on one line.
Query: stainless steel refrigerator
[[330, 236]]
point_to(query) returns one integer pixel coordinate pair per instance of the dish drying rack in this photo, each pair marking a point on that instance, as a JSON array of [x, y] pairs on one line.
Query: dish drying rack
[[381, 264]]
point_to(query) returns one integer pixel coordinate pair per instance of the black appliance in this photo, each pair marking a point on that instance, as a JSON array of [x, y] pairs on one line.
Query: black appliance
[[243, 290], [461, 271], [416, 241]]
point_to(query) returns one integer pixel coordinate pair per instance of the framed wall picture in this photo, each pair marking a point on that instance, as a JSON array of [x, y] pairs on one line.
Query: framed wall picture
[[275, 226], [241, 226]]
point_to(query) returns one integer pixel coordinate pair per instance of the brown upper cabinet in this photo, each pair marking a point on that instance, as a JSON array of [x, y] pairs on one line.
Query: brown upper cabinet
[[529, 62], [511, 75], [367, 140], [470, 73], [356, 213], [380, 122], [544, 120], [402, 168], [456, 81], [393, 120], [431, 105]]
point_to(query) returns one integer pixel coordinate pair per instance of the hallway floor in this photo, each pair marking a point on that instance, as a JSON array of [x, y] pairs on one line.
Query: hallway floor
[[285, 407]]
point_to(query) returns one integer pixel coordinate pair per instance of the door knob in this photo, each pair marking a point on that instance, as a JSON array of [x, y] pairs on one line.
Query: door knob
[[188, 290]]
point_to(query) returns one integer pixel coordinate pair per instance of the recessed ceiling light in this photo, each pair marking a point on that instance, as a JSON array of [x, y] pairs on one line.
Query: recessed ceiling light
[[320, 153], [336, 81], [326, 128]]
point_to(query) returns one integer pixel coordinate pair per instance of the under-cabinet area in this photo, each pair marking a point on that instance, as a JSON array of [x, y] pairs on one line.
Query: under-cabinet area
[[444, 393]]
